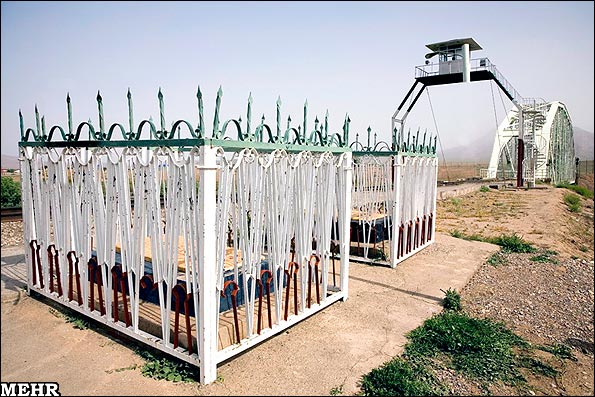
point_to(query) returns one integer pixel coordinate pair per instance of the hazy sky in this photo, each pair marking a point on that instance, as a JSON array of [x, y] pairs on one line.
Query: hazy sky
[[347, 57]]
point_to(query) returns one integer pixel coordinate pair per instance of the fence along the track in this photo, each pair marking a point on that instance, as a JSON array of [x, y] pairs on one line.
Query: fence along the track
[[199, 246], [393, 198]]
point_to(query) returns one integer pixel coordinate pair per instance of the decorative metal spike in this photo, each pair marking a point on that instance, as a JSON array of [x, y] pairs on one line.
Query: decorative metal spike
[[375, 134], [326, 123], [369, 130], [161, 111], [69, 111], [345, 131], [288, 121], [100, 110], [130, 116], [201, 124], [249, 114], [216, 119], [278, 116], [43, 126], [305, 120], [21, 125], [37, 123]]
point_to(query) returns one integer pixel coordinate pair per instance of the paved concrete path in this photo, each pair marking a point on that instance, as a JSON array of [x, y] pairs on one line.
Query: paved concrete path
[[331, 349]]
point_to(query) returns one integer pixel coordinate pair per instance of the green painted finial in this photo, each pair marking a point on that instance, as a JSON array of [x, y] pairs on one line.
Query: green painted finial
[[201, 124], [43, 126], [217, 107], [100, 109], [369, 131], [346, 130], [249, 114], [130, 117], [37, 123], [21, 125], [288, 121], [304, 130], [279, 116], [69, 111], [161, 112], [326, 123], [316, 123]]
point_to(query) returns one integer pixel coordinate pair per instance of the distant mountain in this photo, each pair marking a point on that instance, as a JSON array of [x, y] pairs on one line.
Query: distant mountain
[[8, 161], [583, 144], [477, 151]]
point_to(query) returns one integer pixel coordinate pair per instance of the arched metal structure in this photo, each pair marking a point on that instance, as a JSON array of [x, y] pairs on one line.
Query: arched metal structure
[[549, 144]]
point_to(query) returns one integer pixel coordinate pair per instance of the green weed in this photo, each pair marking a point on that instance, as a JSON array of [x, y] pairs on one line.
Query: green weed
[[158, 367], [452, 300]]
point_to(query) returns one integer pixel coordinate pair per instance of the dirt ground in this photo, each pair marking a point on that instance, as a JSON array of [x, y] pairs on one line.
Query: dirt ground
[[329, 352], [544, 302]]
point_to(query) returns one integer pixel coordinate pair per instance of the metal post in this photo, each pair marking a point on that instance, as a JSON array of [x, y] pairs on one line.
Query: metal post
[[345, 223], [396, 213], [207, 324], [466, 64], [520, 148]]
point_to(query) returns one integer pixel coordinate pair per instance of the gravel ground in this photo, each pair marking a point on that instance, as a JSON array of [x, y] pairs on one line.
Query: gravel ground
[[12, 234], [549, 302]]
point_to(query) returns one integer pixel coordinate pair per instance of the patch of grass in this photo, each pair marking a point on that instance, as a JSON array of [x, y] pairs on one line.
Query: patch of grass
[[559, 350], [335, 391], [496, 259], [537, 366], [129, 368], [480, 349], [160, 367], [545, 256], [457, 234], [512, 243], [473, 237], [456, 201], [77, 321], [483, 350], [399, 377], [484, 189], [583, 191], [583, 248], [452, 300], [573, 202]]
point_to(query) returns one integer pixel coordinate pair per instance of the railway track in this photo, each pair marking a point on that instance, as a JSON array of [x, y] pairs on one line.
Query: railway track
[[11, 214]]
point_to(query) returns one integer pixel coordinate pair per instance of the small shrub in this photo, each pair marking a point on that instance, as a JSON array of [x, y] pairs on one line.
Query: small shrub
[[10, 193], [452, 300], [512, 243], [484, 189], [335, 391]]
